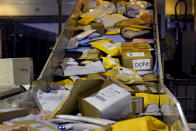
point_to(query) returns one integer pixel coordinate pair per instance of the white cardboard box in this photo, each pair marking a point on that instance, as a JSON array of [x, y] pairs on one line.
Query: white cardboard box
[[16, 71], [112, 102]]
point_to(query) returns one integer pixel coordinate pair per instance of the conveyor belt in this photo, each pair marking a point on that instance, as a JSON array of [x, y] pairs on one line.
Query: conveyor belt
[[174, 117]]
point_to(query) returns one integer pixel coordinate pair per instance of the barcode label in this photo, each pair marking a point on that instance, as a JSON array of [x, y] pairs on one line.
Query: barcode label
[[135, 54], [108, 93], [125, 73], [141, 87], [109, 46]]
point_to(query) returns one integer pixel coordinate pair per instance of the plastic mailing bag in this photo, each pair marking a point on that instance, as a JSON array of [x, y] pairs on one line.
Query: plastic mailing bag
[[127, 76], [107, 47], [147, 123]]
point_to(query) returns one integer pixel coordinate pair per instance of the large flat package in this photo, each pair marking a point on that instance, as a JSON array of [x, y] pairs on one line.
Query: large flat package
[[34, 123], [111, 102], [16, 71], [137, 56]]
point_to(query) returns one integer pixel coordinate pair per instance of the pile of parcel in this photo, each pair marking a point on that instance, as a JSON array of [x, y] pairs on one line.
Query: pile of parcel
[[108, 77]]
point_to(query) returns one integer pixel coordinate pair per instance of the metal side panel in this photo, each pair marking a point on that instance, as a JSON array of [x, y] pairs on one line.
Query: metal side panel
[[174, 118]]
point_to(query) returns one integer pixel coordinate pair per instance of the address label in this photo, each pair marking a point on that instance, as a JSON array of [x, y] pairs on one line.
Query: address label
[[141, 64], [109, 46]]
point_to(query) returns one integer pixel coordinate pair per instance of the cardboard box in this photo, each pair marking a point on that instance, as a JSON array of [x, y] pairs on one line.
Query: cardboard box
[[137, 56], [111, 102], [90, 86], [16, 71], [137, 104], [146, 16], [10, 113], [99, 28], [150, 77]]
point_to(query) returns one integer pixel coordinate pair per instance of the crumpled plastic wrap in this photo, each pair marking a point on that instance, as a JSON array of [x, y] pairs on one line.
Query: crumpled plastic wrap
[[138, 5], [49, 101], [101, 10], [111, 20], [152, 108]]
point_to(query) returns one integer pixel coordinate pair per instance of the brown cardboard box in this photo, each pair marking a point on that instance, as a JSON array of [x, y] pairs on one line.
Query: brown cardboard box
[[10, 113], [137, 104], [110, 102], [99, 28], [150, 77], [70, 104], [137, 56], [135, 45]]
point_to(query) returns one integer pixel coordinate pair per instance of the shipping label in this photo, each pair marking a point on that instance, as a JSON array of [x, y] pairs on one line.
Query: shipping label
[[141, 64], [109, 46], [126, 73]]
